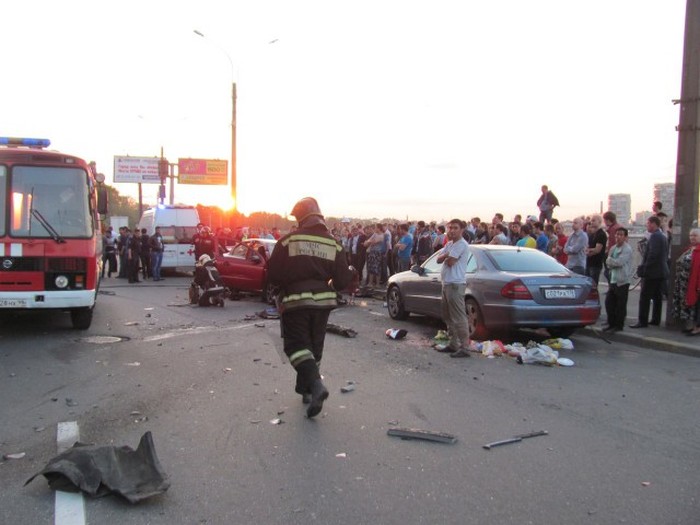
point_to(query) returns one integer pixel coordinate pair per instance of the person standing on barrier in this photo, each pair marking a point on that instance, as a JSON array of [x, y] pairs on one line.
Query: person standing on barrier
[[308, 265]]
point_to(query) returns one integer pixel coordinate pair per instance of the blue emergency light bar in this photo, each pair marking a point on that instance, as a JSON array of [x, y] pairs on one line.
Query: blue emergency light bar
[[19, 141]]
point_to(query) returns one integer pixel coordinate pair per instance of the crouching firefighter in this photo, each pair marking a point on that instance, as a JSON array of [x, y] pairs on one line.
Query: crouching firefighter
[[308, 265], [207, 288]]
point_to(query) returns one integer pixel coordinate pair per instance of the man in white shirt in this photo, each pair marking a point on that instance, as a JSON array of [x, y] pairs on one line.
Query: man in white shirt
[[454, 258]]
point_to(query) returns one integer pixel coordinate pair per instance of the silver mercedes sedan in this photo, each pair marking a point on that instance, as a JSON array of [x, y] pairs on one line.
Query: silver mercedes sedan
[[508, 288]]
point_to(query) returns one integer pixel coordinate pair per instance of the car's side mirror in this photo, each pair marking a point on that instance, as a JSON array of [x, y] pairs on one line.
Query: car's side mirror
[[417, 269]]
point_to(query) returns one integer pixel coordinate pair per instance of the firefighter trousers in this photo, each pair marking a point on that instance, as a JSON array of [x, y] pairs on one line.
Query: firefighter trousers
[[304, 332]]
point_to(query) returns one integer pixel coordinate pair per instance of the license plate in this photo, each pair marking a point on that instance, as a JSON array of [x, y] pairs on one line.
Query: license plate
[[13, 303], [559, 294]]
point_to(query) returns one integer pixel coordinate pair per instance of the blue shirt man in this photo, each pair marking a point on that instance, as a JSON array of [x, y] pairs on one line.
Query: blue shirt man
[[405, 245]]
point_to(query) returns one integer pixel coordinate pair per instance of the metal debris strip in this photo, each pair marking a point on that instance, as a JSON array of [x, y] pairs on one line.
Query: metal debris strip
[[515, 439], [341, 330], [425, 435]]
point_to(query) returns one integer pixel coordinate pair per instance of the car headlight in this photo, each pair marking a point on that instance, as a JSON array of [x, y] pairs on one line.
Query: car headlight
[[61, 281]]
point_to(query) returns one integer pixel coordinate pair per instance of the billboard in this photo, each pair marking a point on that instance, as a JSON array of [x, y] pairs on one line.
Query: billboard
[[136, 169], [202, 171]]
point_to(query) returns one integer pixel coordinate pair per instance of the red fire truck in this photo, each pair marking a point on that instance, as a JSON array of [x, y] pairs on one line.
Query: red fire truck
[[50, 231]]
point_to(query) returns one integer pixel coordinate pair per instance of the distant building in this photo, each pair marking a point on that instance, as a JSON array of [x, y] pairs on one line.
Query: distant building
[[666, 194], [621, 205], [640, 218]]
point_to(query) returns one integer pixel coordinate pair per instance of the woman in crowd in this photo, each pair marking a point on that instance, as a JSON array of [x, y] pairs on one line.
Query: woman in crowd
[[375, 252], [686, 293], [558, 250], [482, 234]]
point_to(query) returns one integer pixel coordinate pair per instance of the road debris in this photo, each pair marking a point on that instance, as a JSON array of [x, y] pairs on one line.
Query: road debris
[[340, 330], [515, 439], [269, 313], [426, 435], [18, 455], [131, 323], [347, 388], [341, 455], [276, 421], [135, 363], [71, 403], [393, 333], [98, 471]]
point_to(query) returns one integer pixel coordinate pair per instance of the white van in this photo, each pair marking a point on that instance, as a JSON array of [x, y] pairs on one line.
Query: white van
[[177, 226]]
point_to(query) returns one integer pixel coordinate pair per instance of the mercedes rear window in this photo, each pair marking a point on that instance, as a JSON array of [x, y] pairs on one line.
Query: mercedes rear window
[[525, 260]]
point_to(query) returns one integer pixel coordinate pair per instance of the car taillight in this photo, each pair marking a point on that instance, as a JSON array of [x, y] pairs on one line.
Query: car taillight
[[516, 290], [593, 295]]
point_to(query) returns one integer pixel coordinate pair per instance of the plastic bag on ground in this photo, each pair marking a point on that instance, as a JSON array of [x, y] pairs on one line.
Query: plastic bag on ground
[[559, 343], [539, 354]]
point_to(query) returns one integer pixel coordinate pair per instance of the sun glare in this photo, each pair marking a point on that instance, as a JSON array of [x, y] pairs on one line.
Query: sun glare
[[225, 202]]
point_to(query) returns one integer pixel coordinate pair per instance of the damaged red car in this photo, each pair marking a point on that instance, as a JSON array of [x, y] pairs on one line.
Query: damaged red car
[[243, 268]]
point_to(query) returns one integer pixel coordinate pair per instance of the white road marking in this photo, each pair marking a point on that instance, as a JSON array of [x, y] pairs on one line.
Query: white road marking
[[69, 507]]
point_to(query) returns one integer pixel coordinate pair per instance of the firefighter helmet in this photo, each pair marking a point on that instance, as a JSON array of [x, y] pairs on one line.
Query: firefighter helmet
[[306, 207], [204, 259]]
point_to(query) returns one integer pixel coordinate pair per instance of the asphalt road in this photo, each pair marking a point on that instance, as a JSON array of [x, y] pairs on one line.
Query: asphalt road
[[623, 443]]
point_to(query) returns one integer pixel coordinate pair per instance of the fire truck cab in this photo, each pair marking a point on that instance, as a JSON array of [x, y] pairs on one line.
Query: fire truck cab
[[50, 230]]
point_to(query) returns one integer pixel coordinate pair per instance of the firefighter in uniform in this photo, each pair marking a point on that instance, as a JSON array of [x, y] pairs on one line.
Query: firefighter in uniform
[[204, 243], [308, 265]]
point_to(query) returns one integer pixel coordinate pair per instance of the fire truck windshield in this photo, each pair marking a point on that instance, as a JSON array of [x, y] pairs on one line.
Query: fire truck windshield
[[49, 202], [3, 200]]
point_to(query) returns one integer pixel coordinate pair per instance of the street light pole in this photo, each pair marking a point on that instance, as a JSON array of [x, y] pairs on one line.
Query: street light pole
[[234, 192], [234, 96]]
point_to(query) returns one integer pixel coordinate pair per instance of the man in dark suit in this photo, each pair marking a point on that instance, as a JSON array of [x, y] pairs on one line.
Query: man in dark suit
[[654, 272]]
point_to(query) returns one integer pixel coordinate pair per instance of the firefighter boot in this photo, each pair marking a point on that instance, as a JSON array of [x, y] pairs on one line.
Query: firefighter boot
[[319, 393], [302, 388]]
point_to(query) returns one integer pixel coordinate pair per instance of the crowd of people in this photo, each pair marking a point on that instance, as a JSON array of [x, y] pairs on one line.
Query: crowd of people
[[132, 254], [137, 256], [597, 245]]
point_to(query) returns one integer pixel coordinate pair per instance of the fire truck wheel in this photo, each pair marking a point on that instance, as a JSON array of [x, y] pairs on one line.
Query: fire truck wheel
[[81, 318]]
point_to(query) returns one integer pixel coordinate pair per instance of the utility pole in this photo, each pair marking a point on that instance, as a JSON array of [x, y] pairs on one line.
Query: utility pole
[[685, 214], [234, 193]]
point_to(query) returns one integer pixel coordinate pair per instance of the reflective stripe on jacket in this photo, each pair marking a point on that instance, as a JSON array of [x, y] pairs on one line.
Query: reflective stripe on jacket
[[303, 264]]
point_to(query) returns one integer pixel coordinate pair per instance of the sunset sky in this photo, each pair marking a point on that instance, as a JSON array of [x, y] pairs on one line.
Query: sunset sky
[[404, 109]]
